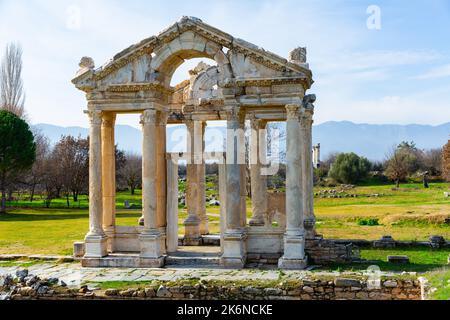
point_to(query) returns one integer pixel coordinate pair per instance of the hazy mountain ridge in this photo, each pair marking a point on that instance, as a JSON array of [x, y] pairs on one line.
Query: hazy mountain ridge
[[370, 140]]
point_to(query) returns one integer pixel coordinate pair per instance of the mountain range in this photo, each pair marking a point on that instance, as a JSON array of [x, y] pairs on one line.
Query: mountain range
[[370, 140]]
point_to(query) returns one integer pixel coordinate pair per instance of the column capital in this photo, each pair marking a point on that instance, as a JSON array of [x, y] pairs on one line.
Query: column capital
[[189, 124], [236, 114], [108, 119], [292, 111], [95, 117], [306, 118], [149, 116], [204, 125], [162, 118], [257, 124]]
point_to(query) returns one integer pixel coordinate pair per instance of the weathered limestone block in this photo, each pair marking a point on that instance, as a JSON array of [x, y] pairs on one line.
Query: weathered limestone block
[[78, 249]]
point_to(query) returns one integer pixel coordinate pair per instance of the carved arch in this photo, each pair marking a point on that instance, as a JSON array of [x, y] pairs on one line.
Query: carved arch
[[205, 87], [188, 45]]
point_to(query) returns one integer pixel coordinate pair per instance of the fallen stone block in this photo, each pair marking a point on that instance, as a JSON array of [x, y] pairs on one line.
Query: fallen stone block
[[398, 259]]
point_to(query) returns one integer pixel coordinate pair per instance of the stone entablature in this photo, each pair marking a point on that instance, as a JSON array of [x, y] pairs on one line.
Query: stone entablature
[[244, 72]]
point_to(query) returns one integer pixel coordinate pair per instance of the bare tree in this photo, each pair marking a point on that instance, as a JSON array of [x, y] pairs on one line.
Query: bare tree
[[446, 161], [131, 171], [399, 164], [432, 161], [37, 173], [12, 96], [72, 156], [50, 179]]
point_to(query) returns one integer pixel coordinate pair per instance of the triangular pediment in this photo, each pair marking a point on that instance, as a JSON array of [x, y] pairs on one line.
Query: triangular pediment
[[247, 57]]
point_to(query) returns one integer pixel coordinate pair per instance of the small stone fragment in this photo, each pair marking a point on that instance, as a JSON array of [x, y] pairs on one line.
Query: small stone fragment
[[163, 292], [111, 292]]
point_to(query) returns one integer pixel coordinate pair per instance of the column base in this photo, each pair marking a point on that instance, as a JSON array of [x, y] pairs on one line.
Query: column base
[[192, 236], [234, 250], [151, 262], [151, 247], [310, 228], [111, 235], [257, 222], [294, 251], [204, 229], [292, 264], [96, 246]]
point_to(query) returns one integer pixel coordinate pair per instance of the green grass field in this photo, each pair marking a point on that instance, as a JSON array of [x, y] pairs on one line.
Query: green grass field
[[410, 213]]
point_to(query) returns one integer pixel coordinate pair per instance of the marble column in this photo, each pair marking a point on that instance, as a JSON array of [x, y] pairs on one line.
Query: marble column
[[294, 238], [172, 204], [109, 177], [150, 238], [96, 240], [200, 127], [223, 202], [258, 181], [306, 121], [192, 235], [243, 169], [161, 177], [234, 239]]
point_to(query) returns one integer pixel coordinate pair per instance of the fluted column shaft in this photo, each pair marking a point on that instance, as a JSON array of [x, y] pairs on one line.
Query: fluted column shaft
[[95, 240], [294, 192], [95, 175], [108, 171], [201, 172], [192, 235], [161, 170], [149, 152], [306, 121]]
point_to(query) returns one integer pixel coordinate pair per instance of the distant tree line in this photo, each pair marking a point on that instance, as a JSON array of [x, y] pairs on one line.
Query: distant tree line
[[402, 162]]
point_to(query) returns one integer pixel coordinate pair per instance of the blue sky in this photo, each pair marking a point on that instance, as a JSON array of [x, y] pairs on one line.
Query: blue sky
[[397, 74]]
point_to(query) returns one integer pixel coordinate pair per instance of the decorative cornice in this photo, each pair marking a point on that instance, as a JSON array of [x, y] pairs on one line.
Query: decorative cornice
[[137, 87], [266, 82], [122, 61]]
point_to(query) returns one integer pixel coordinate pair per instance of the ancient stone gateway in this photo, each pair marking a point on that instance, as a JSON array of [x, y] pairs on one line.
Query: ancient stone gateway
[[248, 83]]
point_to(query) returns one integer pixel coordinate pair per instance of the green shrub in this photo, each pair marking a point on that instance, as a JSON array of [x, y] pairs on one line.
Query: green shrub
[[368, 222], [349, 168]]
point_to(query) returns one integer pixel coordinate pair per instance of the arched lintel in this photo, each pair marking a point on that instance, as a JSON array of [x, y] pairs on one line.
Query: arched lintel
[[188, 45]]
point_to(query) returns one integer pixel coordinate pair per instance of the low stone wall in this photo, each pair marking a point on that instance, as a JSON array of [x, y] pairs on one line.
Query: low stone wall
[[387, 242], [337, 289], [324, 251]]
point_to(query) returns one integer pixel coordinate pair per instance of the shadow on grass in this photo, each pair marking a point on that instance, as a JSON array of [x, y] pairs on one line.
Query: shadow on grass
[[384, 266]]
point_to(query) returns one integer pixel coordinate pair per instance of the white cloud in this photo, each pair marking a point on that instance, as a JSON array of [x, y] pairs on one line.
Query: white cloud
[[425, 107], [437, 72]]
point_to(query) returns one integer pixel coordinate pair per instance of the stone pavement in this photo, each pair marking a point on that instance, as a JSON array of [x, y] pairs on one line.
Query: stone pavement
[[74, 275]]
